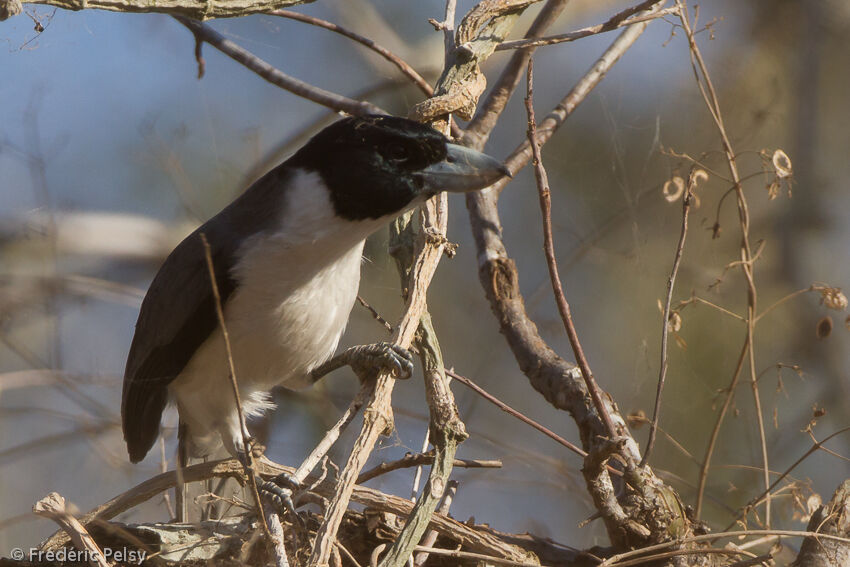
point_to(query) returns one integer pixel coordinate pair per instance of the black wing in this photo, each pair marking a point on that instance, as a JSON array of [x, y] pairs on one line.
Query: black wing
[[178, 312]]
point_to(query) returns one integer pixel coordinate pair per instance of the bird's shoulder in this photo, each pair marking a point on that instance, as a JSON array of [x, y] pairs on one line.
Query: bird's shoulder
[[178, 312]]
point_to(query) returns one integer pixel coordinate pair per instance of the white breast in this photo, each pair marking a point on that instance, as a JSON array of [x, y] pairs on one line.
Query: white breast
[[296, 288]]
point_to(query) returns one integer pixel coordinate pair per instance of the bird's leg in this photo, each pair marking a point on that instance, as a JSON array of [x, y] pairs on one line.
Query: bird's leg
[[181, 508], [364, 359], [279, 489]]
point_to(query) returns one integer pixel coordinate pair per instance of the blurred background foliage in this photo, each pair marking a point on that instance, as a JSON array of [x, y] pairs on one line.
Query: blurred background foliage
[[111, 150]]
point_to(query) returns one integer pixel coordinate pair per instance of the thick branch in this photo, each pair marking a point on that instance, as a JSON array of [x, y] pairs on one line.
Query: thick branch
[[654, 513], [831, 519], [195, 9]]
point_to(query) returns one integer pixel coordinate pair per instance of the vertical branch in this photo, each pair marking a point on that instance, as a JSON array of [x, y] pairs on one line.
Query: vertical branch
[[712, 102], [456, 91], [671, 281], [551, 262], [378, 416]]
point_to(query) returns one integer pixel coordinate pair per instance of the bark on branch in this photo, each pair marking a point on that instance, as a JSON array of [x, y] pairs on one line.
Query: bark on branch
[[195, 9]]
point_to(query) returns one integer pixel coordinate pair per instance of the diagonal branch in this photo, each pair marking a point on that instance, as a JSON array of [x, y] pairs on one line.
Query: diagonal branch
[[273, 75], [488, 114], [402, 65], [559, 381], [552, 264], [619, 20]]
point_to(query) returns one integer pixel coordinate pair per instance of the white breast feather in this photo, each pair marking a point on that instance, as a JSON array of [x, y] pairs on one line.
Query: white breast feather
[[296, 288]]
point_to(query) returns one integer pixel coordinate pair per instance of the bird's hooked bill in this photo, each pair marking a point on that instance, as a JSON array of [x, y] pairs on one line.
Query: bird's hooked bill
[[463, 170]]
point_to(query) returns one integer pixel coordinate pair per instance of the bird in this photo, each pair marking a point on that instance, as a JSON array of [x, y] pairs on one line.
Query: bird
[[286, 257]]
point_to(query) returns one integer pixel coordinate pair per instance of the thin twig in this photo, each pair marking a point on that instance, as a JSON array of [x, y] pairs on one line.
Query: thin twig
[[617, 21], [656, 557], [386, 324], [243, 426], [552, 263], [755, 501], [617, 560], [557, 380], [781, 301], [265, 70], [665, 325], [417, 459], [715, 431], [402, 65], [378, 414], [479, 557], [446, 430], [480, 541], [520, 416], [709, 95], [331, 436], [760, 560], [453, 96]]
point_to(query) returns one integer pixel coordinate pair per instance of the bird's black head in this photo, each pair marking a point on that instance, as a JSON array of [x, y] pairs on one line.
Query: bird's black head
[[379, 165]]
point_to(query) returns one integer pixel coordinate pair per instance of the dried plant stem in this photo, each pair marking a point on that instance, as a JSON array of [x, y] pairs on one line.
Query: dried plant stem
[[558, 381], [715, 431], [747, 259], [467, 536], [456, 91], [184, 8], [402, 65], [552, 263], [331, 435], [654, 557], [268, 72], [419, 459], [378, 415], [758, 499], [479, 558], [520, 416], [617, 21], [665, 325], [618, 560], [53, 506], [250, 469]]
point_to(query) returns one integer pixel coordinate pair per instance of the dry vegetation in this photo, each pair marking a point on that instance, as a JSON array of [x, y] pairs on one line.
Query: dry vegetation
[[645, 517]]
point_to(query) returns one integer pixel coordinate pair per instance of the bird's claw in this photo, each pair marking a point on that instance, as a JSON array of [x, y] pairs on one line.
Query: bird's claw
[[386, 355], [279, 492]]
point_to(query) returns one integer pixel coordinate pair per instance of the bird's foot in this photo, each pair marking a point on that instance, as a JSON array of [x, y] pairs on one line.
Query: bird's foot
[[278, 491], [364, 359]]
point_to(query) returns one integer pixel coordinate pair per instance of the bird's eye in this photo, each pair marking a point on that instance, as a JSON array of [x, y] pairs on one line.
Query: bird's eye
[[397, 153]]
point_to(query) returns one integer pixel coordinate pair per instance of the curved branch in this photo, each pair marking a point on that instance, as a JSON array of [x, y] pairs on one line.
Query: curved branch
[[273, 75], [559, 381]]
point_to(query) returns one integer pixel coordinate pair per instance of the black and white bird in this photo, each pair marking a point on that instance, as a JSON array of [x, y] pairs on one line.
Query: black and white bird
[[286, 256]]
